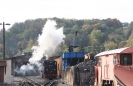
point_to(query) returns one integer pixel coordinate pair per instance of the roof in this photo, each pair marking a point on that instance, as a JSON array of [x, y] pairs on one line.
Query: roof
[[2, 63], [20, 56], [54, 57], [73, 54], [114, 51]]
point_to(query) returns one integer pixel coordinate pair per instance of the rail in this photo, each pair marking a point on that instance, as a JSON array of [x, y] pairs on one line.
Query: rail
[[32, 82], [50, 83]]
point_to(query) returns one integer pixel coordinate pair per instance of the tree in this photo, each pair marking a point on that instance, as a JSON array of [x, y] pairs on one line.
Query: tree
[[94, 45], [29, 46], [131, 25], [96, 34], [122, 44], [109, 45], [92, 33], [129, 42], [1, 47], [1, 56]]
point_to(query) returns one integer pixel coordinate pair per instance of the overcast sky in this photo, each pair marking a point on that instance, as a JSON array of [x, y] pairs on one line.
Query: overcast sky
[[20, 10]]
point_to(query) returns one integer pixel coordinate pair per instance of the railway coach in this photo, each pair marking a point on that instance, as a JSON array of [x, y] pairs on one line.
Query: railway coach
[[114, 67]]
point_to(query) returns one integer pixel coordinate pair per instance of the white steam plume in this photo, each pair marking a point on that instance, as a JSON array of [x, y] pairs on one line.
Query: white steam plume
[[48, 41]]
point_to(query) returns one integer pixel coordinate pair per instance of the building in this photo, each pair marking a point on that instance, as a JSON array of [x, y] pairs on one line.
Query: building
[[6, 75], [8, 65]]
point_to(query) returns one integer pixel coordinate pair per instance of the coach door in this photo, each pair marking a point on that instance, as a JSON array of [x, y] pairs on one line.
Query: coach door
[[99, 72], [1, 74], [106, 68]]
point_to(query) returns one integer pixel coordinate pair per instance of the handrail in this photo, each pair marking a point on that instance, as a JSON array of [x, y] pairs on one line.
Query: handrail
[[119, 81]]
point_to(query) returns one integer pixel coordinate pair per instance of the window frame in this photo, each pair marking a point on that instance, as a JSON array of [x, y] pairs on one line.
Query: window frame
[[115, 59], [100, 61], [128, 59]]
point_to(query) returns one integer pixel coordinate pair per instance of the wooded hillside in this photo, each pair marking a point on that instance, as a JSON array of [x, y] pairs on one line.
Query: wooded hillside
[[93, 35]]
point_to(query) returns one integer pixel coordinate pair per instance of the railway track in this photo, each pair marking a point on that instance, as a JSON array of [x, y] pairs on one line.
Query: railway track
[[50, 83], [32, 81]]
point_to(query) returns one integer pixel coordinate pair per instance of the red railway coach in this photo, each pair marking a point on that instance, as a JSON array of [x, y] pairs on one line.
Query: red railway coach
[[115, 67]]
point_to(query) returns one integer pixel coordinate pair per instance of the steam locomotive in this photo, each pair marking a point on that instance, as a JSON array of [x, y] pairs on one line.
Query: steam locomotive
[[75, 68], [50, 69], [81, 73]]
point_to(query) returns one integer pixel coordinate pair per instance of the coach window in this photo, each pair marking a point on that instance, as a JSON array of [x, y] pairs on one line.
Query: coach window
[[100, 61], [126, 59], [114, 60]]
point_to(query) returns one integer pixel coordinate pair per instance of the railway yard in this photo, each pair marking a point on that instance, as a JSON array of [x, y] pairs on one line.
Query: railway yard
[[108, 68], [37, 81], [104, 72]]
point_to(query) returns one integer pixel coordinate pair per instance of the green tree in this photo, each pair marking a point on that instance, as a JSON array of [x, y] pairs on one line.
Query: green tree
[[122, 44], [109, 45], [96, 34], [1, 56], [29, 46], [129, 42]]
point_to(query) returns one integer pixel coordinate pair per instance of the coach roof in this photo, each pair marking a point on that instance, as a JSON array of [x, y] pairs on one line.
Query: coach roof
[[111, 52]]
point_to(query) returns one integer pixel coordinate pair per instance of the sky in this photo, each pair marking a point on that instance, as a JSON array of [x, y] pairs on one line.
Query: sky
[[12, 11]]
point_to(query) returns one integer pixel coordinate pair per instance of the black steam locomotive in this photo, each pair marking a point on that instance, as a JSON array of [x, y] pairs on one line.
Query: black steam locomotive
[[50, 69], [81, 74]]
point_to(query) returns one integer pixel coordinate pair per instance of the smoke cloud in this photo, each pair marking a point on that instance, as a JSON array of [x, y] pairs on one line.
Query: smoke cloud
[[48, 42]]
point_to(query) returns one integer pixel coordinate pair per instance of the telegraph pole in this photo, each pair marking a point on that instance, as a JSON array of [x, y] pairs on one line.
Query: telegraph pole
[[4, 38]]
